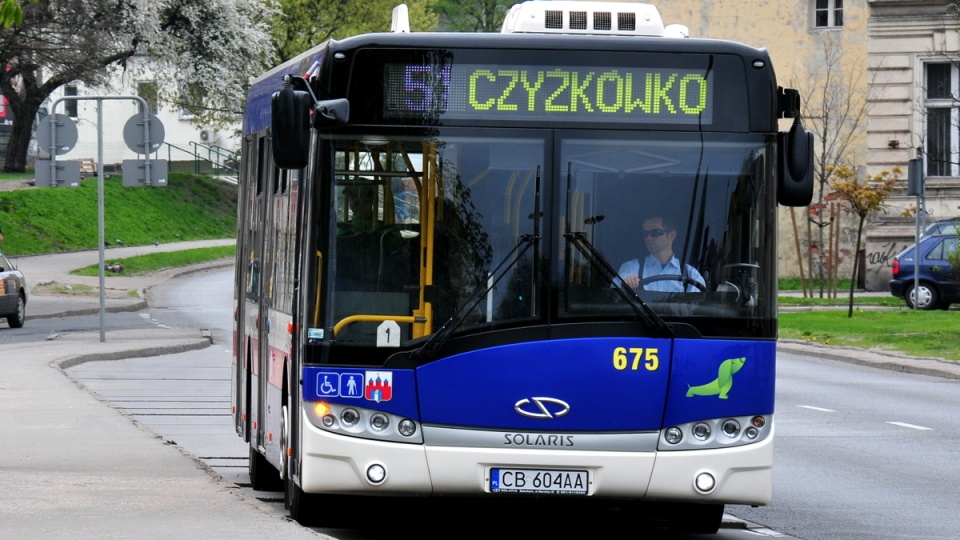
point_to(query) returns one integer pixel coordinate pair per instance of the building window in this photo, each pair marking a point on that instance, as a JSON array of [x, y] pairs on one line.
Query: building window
[[148, 91], [70, 106], [942, 119], [828, 13]]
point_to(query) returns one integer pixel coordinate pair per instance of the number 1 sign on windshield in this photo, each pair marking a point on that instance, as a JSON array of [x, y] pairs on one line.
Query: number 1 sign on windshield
[[388, 334]]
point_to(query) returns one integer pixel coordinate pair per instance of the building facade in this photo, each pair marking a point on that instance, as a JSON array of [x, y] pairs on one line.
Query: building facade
[[913, 59], [184, 140]]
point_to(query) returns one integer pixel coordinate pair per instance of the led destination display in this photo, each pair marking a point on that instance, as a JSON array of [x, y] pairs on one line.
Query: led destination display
[[578, 93]]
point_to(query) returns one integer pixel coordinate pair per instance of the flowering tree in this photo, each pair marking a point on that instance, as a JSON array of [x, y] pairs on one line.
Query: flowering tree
[[204, 50], [865, 198]]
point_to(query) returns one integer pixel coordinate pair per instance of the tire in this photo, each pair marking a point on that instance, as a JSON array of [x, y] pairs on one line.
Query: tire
[[17, 319], [929, 297], [263, 475]]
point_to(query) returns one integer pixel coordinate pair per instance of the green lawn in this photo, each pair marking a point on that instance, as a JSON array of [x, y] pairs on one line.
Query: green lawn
[[915, 333], [144, 264], [50, 220]]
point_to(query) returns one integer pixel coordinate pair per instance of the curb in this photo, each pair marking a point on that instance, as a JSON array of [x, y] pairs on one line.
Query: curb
[[159, 350], [875, 358]]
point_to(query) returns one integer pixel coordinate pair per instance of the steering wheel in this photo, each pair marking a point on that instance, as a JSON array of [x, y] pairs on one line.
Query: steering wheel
[[684, 280]]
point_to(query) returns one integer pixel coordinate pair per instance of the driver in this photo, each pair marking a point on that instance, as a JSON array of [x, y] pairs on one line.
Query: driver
[[658, 235]]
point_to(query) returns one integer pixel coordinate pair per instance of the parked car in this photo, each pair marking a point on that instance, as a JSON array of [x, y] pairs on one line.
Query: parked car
[[939, 284], [13, 293], [943, 226]]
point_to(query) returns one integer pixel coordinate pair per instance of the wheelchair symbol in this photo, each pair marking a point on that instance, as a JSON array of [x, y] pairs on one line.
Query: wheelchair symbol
[[327, 388]]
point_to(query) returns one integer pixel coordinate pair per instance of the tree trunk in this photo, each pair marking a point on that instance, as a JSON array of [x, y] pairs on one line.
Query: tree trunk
[[856, 265], [24, 113]]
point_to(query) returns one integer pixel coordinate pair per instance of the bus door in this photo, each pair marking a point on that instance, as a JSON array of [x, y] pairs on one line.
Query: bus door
[[254, 315]]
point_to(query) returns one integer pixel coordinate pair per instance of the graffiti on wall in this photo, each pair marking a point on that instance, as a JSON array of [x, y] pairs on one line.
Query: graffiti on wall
[[879, 259]]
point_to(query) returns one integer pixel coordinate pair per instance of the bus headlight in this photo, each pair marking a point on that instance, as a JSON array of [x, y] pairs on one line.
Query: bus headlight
[[379, 422], [352, 421], [407, 427], [730, 428], [673, 435], [349, 417], [706, 434]]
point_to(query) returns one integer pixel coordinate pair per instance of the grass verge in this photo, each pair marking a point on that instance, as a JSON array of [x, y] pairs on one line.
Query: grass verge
[[50, 220], [886, 301], [915, 333], [144, 264]]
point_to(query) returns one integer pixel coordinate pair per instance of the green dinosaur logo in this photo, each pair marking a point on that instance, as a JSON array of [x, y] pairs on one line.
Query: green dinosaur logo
[[722, 384]]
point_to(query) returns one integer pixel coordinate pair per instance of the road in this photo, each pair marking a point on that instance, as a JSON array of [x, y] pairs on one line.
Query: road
[[861, 453]]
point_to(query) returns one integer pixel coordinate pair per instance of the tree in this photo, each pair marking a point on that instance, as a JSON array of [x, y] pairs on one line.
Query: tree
[[865, 198], [472, 15], [302, 24], [212, 47], [834, 109]]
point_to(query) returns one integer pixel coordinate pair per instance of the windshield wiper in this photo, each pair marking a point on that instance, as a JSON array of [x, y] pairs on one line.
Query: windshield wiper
[[644, 312], [441, 336]]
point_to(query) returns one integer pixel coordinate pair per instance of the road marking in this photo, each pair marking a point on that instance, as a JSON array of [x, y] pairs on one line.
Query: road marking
[[812, 408], [911, 426]]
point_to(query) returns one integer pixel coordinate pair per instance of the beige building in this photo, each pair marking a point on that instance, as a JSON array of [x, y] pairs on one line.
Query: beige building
[[891, 68], [820, 48], [913, 58]]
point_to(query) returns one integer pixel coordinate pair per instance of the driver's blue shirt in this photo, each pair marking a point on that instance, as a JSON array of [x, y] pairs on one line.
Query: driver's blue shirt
[[652, 267]]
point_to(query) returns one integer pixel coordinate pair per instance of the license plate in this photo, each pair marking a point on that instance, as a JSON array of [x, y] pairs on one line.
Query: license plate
[[557, 482]]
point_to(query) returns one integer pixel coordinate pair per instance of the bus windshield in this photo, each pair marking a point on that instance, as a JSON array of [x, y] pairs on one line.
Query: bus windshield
[[444, 229]]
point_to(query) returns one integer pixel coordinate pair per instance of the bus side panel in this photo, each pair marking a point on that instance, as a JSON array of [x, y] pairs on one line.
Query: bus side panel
[[720, 378]]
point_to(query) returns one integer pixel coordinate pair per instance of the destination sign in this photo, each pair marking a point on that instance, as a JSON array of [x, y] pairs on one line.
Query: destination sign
[[548, 93]]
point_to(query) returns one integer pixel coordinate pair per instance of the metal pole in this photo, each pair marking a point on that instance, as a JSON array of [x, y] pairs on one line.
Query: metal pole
[[916, 245], [103, 280], [147, 142], [53, 146]]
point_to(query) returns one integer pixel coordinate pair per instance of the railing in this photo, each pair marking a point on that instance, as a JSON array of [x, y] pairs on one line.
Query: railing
[[207, 159]]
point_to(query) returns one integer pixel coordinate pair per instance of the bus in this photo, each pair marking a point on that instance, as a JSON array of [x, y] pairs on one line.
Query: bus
[[431, 295]]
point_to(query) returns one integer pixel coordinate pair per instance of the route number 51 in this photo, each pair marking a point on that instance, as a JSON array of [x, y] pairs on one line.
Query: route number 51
[[632, 357]]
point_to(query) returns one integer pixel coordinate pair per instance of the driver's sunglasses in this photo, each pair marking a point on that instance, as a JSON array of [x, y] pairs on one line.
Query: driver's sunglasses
[[656, 233]]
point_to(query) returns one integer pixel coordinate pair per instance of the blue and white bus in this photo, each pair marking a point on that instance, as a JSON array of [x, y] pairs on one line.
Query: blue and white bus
[[433, 294]]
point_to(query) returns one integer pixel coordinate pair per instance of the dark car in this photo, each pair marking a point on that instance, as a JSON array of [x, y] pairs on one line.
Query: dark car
[[939, 285], [944, 226], [13, 293]]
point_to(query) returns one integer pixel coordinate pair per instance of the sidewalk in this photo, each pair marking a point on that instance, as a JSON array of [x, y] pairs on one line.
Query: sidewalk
[[75, 468]]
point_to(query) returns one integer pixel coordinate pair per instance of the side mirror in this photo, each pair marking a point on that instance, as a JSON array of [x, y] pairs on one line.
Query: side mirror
[[290, 126], [795, 166]]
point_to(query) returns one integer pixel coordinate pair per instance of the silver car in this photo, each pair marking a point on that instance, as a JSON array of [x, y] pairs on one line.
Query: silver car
[[13, 293]]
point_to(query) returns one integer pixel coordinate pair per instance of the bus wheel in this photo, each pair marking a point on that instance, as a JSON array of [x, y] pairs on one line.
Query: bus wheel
[[696, 518], [263, 475], [284, 441]]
